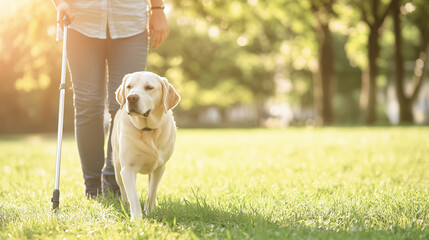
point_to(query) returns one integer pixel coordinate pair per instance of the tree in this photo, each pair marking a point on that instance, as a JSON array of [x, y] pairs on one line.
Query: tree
[[227, 49], [406, 102], [306, 52], [374, 15], [30, 63], [325, 73]]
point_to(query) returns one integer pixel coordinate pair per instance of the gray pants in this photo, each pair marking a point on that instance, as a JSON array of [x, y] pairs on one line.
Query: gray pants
[[88, 59]]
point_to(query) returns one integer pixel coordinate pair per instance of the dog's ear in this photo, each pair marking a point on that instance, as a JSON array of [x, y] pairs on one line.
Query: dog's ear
[[170, 98], [120, 92]]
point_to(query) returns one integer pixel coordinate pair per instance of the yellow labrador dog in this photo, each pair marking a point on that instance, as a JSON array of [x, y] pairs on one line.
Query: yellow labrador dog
[[143, 135]]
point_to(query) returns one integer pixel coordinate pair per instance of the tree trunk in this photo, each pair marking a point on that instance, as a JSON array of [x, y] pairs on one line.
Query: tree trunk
[[325, 74], [405, 103], [369, 85], [369, 76]]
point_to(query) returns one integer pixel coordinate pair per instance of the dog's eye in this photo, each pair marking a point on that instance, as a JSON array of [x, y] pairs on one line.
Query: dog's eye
[[128, 86], [148, 87]]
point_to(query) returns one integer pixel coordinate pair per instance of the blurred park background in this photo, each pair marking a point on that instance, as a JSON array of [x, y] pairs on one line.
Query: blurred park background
[[244, 63]]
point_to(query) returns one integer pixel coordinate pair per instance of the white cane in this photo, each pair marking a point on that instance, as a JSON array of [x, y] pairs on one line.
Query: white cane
[[56, 194]]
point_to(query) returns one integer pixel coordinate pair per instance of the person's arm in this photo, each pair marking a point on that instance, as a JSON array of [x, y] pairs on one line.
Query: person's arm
[[158, 26], [63, 9]]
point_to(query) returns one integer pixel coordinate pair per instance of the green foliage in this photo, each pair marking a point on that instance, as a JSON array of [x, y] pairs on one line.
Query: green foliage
[[331, 183], [30, 63], [228, 55], [356, 45], [219, 53]]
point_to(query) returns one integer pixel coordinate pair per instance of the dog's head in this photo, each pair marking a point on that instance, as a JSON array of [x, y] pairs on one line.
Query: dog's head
[[144, 92]]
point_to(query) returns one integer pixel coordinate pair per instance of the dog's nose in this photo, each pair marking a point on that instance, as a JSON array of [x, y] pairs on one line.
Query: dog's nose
[[133, 98]]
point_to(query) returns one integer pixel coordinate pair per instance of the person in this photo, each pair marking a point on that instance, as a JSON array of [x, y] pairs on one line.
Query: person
[[105, 38]]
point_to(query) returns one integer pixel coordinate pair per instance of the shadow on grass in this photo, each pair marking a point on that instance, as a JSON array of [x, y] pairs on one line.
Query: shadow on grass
[[219, 222]]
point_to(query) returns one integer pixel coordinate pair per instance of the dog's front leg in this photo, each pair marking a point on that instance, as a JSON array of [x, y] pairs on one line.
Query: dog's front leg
[[129, 177], [118, 177], [154, 179]]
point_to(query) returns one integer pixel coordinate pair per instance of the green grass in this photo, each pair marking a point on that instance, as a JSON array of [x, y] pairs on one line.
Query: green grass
[[333, 183]]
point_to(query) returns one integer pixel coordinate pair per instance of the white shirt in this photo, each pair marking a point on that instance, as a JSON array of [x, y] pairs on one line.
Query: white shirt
[[124, 18]]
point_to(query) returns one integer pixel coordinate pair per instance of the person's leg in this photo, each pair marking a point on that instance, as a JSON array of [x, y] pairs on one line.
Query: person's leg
[[124, 55], [87, 60]]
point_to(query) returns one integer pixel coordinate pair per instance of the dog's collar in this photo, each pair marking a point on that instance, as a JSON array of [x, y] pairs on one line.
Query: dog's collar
[[147, 129]]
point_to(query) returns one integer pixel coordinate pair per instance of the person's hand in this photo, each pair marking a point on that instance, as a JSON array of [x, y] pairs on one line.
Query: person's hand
[[63, 9], [158, 27]]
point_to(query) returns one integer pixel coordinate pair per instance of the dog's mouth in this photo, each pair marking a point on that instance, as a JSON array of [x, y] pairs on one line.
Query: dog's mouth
[[146, 114], [134, 113]]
